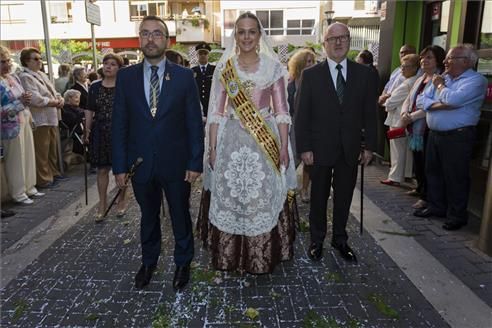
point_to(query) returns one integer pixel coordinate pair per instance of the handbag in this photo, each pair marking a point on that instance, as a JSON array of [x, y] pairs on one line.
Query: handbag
[[396, 133]]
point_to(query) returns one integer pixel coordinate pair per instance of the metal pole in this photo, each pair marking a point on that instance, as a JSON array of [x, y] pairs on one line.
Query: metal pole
[[47, 40], [485, 238], [50, 73], [94, 58]]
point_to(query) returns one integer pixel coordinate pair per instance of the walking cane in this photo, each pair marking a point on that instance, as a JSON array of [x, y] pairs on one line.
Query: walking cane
[[85, 174], [363, 146], [128, 177], [84, 147]]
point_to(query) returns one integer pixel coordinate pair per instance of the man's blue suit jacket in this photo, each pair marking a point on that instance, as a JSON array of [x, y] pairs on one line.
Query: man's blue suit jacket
[[169, 143]]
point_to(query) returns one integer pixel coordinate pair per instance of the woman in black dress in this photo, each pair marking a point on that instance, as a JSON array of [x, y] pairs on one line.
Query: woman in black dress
[[98, 130]]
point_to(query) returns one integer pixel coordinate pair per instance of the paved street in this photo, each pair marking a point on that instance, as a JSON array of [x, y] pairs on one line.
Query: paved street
[[85, 279]]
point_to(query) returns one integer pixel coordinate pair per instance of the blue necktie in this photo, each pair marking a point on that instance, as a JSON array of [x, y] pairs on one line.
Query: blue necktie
[[154, 90], [203, 69], [340, 83]]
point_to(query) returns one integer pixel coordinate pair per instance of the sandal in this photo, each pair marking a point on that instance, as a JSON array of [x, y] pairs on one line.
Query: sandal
[[99, 217]]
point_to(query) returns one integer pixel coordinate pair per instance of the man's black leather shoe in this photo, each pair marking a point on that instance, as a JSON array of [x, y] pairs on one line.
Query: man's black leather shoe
[[345, 250], [144, 275], [453, 225], [181, 277], [426, 213], [315, 252]]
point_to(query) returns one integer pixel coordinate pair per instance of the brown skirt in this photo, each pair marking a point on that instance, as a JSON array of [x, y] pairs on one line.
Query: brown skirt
[[255, 255]]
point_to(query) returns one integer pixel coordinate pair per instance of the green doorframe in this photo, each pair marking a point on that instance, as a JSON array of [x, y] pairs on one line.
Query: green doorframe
[[455, 27], [407, 28]]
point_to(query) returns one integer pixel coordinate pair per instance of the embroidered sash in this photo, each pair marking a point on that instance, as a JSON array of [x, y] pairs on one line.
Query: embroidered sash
[[249, 115]]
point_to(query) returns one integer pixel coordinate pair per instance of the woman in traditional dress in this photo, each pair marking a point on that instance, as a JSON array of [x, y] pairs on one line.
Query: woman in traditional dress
[[246, 218], [98, 130]]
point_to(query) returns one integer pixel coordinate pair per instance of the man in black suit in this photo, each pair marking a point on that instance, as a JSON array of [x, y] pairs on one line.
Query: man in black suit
[[203, 74], [336, 102]]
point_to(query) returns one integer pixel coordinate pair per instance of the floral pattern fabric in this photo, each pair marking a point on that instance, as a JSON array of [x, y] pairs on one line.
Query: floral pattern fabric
[[10, 93]]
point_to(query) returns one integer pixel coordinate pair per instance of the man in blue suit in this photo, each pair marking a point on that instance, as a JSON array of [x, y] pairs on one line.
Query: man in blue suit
[[157, 117]]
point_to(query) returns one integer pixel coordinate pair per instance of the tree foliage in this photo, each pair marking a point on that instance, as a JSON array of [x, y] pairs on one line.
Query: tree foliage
[[60, 46]]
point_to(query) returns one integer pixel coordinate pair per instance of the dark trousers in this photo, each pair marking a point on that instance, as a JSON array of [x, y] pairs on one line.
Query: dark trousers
[[343, 177], [448, 172], [148, 196]]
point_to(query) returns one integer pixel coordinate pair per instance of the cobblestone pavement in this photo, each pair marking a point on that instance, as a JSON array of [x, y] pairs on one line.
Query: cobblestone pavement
[[85, 279], [454, 249], [29, 216]]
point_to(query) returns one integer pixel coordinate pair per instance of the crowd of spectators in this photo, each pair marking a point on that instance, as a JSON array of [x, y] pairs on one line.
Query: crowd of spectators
[[427, 97], [42, 123]]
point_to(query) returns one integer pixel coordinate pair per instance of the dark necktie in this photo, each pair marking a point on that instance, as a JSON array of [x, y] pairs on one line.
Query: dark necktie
[[340, 83], [203, 69], [154, 90]]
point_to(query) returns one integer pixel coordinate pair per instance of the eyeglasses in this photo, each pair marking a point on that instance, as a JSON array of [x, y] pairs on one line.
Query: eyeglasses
[[341, 39], [36, 58], [156, 35], [455, 57], [6, 61], [406, 66]]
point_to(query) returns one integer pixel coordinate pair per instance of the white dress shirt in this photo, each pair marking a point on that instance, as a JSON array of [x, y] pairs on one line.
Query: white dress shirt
[[148, 72], [334, 72]]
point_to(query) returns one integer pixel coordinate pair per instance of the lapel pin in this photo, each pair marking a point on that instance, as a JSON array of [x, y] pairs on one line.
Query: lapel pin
[[168, 78]]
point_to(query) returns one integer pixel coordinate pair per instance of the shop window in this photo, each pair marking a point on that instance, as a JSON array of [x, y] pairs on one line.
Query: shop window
[[12, 12], [140, 9], [436, 23], [60, 11], [485, 42]]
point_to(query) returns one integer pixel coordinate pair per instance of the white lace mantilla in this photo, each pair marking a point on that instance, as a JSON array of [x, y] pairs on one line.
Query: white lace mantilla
[[247, 193]]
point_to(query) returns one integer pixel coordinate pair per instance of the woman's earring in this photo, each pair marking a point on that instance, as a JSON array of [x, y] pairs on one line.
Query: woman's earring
[[257, 48]]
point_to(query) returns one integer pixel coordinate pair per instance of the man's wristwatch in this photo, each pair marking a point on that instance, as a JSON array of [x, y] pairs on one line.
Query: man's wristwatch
[[441, 86]]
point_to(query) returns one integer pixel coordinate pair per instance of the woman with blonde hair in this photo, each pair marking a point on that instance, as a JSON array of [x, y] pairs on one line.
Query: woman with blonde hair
[[301, 60], [246, 216]]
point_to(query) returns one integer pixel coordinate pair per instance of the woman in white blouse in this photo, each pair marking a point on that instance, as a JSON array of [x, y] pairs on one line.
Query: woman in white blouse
[[399, 152]]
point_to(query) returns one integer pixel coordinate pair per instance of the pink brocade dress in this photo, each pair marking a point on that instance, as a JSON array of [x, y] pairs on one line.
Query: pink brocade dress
[[245, 218]]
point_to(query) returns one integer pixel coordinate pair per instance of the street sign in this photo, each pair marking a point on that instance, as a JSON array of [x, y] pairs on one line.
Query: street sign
[[92, 13]]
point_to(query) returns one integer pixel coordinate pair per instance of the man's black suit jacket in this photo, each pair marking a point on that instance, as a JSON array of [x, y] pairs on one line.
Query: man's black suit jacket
[[204, 82], [328, 128]]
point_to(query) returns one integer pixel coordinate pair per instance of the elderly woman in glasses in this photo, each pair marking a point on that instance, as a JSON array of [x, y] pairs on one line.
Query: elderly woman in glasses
[[17, 140], [46, 104], [399, 151], [80, 84]]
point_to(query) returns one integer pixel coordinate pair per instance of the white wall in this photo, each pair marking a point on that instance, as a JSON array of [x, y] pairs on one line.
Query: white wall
[[32, 29], [301, 10]]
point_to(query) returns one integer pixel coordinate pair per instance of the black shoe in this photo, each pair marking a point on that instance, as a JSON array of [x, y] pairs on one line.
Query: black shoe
[[345, 250], [451, 225], [426, 213], [181, 277], [144, 275], [7, 213], [61, 178], [315, 252]]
